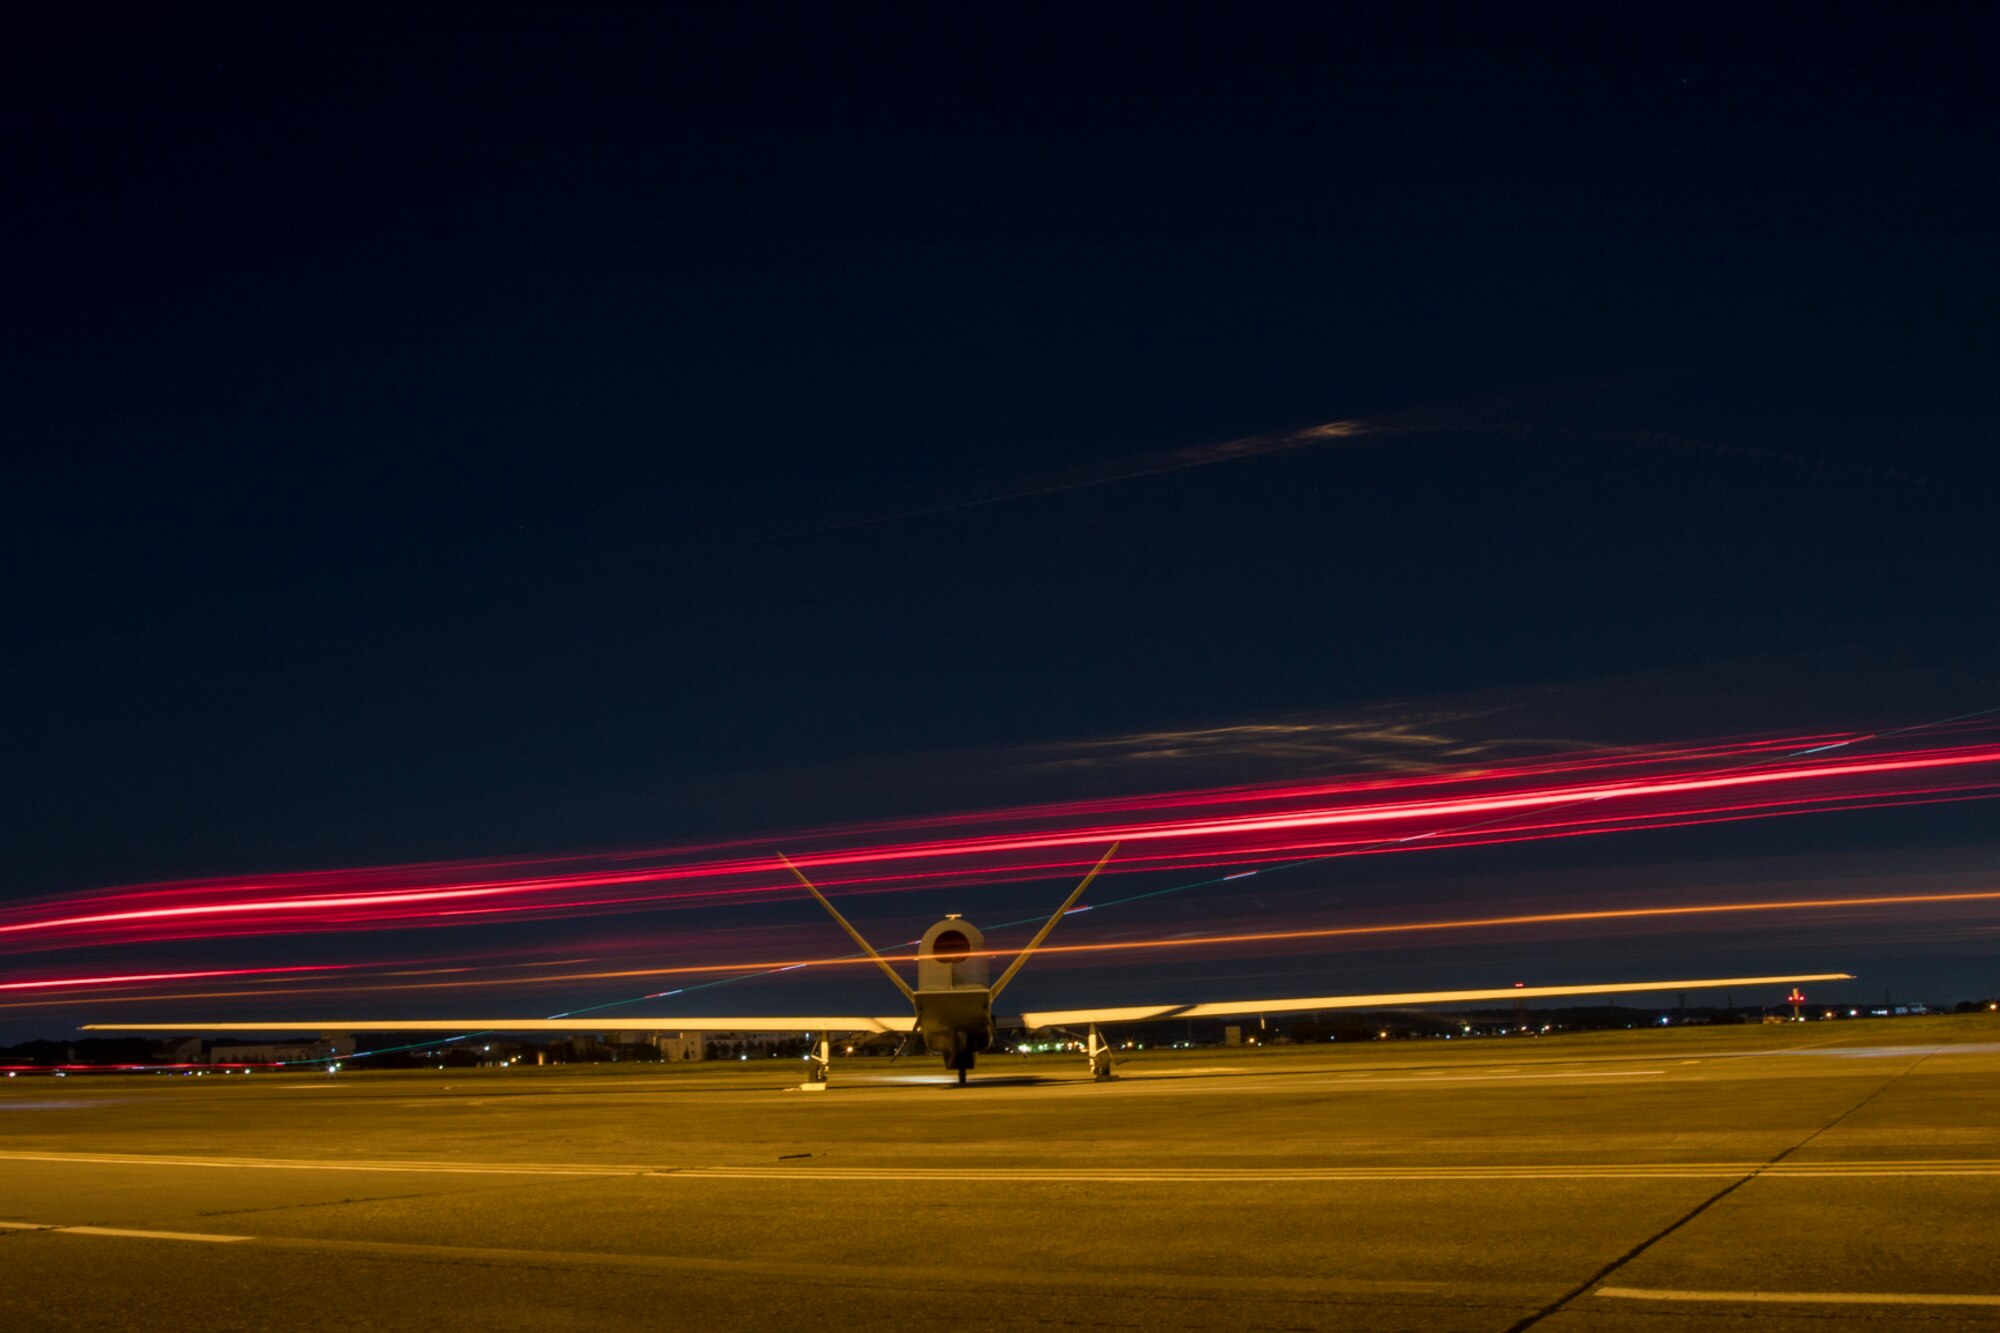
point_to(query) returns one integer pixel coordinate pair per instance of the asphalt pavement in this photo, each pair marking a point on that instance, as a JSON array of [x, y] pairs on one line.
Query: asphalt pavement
[[1818, 1175]]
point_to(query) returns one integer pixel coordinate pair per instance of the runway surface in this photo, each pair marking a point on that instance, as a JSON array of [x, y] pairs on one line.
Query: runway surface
[[1821, 1175]]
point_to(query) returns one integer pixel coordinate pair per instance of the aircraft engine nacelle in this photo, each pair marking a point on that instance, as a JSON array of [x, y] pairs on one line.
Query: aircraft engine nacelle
[[951, 956]]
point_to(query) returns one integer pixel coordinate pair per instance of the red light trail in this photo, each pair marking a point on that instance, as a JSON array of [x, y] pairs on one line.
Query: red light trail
[[367, 983], [1592, 793]]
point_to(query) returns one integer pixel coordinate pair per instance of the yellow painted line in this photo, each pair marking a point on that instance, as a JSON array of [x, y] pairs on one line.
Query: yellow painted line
[[1805, 1173], [1310, 1175], [1157, 1177], [1358, 1082], [23, 1226], [1832, 1162], [1798, 1297], [821, 1171], [1220, 1173], [1515, 1078]]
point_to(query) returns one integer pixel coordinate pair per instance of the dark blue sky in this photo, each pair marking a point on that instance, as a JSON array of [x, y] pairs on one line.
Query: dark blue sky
[[490, 428]]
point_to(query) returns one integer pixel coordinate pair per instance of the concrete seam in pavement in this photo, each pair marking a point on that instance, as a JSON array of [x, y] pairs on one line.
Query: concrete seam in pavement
[[1519, 1326]]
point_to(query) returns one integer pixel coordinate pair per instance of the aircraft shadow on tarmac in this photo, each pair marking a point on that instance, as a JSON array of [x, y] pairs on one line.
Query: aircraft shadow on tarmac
[[947, 1084]]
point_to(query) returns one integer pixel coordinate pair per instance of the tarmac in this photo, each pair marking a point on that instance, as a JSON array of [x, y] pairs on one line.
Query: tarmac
[[1797, 1176]]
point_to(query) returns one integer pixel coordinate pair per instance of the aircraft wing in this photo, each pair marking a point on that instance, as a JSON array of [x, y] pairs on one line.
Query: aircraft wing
[[597, 1023], [1146, 1013]]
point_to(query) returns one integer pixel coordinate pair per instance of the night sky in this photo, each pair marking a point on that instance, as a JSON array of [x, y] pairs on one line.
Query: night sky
[[508, 431]]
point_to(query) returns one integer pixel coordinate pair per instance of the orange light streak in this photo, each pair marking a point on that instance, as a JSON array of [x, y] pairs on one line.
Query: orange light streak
[[1178, 942], [57, 982]]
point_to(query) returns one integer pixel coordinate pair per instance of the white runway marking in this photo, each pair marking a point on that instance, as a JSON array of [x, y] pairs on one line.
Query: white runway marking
[[152, 1235], [1797, 1297], [126, 1232], [286, 1164]]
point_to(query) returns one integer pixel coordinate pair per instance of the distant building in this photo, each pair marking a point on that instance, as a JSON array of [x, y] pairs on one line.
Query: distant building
[[277, 1052], [670, 1045], [679, 1045], [186, 1051], [582, 1048]]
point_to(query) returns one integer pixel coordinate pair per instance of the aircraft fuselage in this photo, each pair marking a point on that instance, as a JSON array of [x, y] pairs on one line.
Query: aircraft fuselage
[[954, 1003], [956, 1024]]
